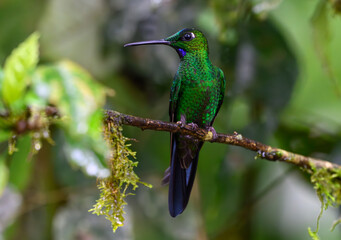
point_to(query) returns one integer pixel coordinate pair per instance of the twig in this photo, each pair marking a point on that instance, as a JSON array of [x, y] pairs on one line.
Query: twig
[[263, 151]]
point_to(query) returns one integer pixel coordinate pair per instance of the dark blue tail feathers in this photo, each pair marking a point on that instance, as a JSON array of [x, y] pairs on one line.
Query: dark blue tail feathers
[[180, 181]]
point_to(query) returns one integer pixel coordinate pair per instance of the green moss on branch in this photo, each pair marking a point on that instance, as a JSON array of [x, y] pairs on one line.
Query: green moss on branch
[[114, 189]]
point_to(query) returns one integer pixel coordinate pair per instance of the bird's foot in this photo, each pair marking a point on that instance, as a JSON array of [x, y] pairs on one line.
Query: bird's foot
[[213, 131], [193, 126]]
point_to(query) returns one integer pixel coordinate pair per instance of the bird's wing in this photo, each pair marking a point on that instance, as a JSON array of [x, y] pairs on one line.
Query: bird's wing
[[184, 159], [180, 179], [221, 78], [174, 95]]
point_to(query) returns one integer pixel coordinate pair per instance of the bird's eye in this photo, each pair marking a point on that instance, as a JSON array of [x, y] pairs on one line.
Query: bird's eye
[[188, 36]]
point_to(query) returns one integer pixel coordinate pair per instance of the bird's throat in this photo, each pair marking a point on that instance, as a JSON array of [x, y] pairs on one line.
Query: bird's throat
[[181, 52]]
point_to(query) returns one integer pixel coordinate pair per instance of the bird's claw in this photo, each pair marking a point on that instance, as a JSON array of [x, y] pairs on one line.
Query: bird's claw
[[193, 126]]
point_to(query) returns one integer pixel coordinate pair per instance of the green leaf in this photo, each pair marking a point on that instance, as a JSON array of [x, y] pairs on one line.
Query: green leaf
[[3, 174], [17, 67], [79, 99], [321, 37]]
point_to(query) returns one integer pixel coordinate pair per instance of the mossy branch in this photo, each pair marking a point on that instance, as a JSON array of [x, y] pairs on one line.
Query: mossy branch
[[324, 175], [263, 151]]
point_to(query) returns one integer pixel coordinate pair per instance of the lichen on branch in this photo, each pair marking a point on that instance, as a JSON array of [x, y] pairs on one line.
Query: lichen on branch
[[327, 183], [122, 181]]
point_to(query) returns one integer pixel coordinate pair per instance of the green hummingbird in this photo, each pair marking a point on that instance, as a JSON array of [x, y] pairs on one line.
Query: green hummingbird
[[196, 95]]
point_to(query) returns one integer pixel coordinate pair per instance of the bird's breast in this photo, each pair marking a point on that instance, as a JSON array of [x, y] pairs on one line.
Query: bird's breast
[[199, 97]]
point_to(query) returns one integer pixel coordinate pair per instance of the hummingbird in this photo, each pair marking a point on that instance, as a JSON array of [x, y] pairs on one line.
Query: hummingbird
[[196, 96]]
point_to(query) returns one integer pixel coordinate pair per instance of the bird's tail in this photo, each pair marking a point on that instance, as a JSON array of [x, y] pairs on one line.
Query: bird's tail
[[180, 180]]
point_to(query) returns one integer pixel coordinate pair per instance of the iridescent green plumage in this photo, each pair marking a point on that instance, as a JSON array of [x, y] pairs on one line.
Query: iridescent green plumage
[[196, 96]]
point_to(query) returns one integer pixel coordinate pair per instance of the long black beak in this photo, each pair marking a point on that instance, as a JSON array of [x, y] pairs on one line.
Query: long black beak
[[162, 41]]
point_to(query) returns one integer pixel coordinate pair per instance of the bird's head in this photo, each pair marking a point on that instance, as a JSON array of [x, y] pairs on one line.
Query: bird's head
[[188, 40]]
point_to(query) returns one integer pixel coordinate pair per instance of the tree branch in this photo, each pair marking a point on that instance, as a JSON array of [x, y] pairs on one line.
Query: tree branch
[[263, 151]]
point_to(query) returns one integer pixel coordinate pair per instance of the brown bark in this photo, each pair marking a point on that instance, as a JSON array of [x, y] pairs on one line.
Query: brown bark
[[263, 151]]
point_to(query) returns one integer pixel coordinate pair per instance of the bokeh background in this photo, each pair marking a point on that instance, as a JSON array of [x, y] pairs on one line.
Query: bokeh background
[[281, 59]]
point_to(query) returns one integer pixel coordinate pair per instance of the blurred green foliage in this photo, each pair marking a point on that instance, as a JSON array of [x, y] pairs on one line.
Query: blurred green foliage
[[78, 99], [28, 91], [20, 165], [35, 97], [281, 60], [16, 69]]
